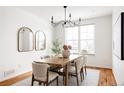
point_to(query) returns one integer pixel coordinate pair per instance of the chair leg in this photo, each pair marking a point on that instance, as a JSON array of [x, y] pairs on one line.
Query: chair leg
[[63, 80], [77, 80], [85, 70], [81, 76], [39, 83], [44, 84], [32, 80], [32, 83], [82, 70], [57, 81]]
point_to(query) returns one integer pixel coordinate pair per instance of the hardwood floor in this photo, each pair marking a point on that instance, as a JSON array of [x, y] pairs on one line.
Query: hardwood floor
[[106, 78], [15, 79]]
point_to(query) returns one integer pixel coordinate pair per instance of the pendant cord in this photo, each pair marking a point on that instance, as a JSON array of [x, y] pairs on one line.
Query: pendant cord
[[65, 15]]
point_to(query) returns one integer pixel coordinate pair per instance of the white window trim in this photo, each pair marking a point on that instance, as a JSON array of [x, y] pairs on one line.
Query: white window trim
[[79, 45]]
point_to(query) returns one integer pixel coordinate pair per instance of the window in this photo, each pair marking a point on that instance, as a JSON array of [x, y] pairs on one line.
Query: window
[[72, 38], [80, 38]]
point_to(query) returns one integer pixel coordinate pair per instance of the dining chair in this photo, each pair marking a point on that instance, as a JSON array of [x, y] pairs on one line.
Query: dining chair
[[41, 57], [84, 54], [52, 68], [76, 69], [46, 56], [42, 74]]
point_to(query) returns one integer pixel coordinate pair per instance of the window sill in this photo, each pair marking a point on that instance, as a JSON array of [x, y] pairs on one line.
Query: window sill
[[86, 54], [91, 54]]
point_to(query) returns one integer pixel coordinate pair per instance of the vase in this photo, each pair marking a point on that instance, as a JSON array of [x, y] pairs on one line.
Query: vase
[[65, 53]]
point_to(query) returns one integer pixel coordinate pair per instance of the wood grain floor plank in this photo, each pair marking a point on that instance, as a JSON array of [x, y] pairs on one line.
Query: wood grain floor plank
[[15, 79]]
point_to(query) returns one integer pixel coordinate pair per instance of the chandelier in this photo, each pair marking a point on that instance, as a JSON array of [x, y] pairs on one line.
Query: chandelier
[[66, 21]]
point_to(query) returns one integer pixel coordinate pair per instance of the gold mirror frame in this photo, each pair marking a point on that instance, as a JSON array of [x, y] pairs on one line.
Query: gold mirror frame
[[25, 40], [40, 44]]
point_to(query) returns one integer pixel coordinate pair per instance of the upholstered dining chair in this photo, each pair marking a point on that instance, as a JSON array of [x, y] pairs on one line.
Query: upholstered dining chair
[[84, 54], [42, 74], [45, 56], [52, 68], [56, 69], [75, 70]]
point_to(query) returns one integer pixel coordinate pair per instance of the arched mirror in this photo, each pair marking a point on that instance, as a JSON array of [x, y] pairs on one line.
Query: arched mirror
[[25, 39], [40, 40]]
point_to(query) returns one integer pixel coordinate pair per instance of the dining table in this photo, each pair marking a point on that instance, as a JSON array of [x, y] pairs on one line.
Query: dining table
[[61, 62]]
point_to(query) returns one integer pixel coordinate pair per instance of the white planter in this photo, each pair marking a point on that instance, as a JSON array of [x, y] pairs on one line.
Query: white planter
[[65, 53]]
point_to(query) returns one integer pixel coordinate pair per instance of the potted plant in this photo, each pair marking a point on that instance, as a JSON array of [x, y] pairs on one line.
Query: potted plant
[[56, 47]]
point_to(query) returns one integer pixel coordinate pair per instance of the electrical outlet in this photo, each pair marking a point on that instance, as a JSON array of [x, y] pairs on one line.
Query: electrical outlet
[[1, 75]]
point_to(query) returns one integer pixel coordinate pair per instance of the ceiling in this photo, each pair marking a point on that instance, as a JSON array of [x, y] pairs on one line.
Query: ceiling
[[84, 12]]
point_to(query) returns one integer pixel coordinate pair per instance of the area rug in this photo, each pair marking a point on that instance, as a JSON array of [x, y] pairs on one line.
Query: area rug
[[91, 79]]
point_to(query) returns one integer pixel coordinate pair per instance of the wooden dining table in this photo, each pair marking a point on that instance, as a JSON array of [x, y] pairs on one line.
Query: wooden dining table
[[61, 62]]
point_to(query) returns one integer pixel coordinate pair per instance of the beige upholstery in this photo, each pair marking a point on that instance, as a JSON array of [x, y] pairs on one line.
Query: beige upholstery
[[72, 69], [52, 75], [75, 70], [45, 56], [84, 53], [41, 72], [78, 65]]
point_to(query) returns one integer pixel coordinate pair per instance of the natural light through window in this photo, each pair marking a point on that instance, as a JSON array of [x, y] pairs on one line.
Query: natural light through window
[[81, 38]]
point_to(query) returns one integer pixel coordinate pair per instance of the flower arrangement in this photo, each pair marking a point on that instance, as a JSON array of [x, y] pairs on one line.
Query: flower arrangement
[[66, 52], [67, 47]]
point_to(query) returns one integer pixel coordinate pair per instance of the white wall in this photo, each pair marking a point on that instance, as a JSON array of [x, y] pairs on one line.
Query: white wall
[[11, 19], [103, 41], [117, 64], [58, 33]]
